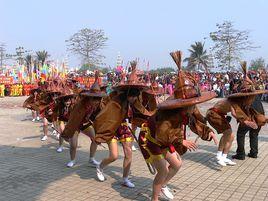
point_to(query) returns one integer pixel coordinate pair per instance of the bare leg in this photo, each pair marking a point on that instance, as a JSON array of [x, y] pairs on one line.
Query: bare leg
[[73, 145], [113, 155], [225, 141], [127, 159], [175, 163], [62, 126], [160, 177], [224, 148], [229, 143], [93, 149], [221, 144], [45, 126], [90, 132], [228, 140]]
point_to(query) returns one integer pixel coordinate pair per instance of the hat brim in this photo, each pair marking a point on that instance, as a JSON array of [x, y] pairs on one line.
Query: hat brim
[[180, 103], [89, 94], [53, 92], [237, 95], [66, 96], [154, 92], [130, 86]]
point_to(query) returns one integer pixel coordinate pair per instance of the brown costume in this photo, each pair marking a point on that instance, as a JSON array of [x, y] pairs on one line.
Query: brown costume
[[166, 130], [83, 113], [145, 101], [117, 109], [216, 115], [32, 102], [48, 101]]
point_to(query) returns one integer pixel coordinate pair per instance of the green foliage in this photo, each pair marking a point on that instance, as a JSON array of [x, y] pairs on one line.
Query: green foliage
[[42, 56], [257, 64], [161, 71], [104, 70], [198, 57], [230, 44], [89, 67]]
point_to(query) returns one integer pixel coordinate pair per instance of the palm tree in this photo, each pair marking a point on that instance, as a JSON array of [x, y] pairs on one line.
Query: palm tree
[[42, 56], [198, 57], [29, 60]]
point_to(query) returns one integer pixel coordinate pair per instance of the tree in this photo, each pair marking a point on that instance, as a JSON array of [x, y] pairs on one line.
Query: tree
[[161, 71], [105, 70], [87, 43], [89, 67], [29, 61], [257, 64], [42, 56], [230, 44], [198, 57]]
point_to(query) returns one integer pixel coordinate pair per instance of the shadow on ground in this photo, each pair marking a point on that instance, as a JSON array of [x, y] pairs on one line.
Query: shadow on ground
[[34, 169]]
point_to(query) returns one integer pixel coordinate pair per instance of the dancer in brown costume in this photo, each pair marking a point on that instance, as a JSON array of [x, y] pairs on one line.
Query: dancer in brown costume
[[238, 104], [164, 134], [63, 109], [32, 103], [109, 128], [85, 110]]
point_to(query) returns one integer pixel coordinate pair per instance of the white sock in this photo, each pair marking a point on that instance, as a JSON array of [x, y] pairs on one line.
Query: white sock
[[125, 179], [91, 158], [224, 156], [219, 154]]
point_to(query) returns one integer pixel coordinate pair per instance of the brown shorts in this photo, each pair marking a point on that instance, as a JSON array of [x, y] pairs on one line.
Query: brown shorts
[[217, 121]]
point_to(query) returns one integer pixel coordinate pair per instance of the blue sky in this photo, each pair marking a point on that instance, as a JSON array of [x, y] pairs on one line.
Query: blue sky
[[137, 29]]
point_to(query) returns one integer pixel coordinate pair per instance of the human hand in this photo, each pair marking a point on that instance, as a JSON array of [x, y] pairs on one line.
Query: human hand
[[189, 145], [251, 124], [214, 138]]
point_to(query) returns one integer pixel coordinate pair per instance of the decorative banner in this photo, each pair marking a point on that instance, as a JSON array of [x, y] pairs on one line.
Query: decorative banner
[[6, 80], [88, 81]]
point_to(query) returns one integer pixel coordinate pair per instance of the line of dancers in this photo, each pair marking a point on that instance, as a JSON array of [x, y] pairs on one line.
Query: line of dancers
[[132, 111]]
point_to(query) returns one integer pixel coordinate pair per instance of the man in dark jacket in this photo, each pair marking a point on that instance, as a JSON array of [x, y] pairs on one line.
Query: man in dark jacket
[[253, 135]]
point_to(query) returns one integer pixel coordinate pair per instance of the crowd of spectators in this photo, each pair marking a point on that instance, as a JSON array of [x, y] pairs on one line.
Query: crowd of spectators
[[221, 83]]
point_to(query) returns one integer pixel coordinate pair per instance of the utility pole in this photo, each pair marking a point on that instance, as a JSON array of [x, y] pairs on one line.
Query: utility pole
[[2, 55], [20, 55]]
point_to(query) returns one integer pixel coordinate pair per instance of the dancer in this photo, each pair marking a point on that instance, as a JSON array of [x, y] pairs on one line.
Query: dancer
[[253, 134], [47, 105], [83, 114], [63, 108], [164, 134], [238, 104], [32, 103], [110, 129]]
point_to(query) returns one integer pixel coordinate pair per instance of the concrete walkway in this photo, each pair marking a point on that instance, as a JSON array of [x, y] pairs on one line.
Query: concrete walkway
[[33, 170]]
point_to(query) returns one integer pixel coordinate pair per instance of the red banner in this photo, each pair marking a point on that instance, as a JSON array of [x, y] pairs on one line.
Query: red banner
[[88, 81], [6, 80]]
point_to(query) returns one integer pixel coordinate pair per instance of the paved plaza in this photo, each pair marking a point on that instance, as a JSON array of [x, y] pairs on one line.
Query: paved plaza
[[33, 170]]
